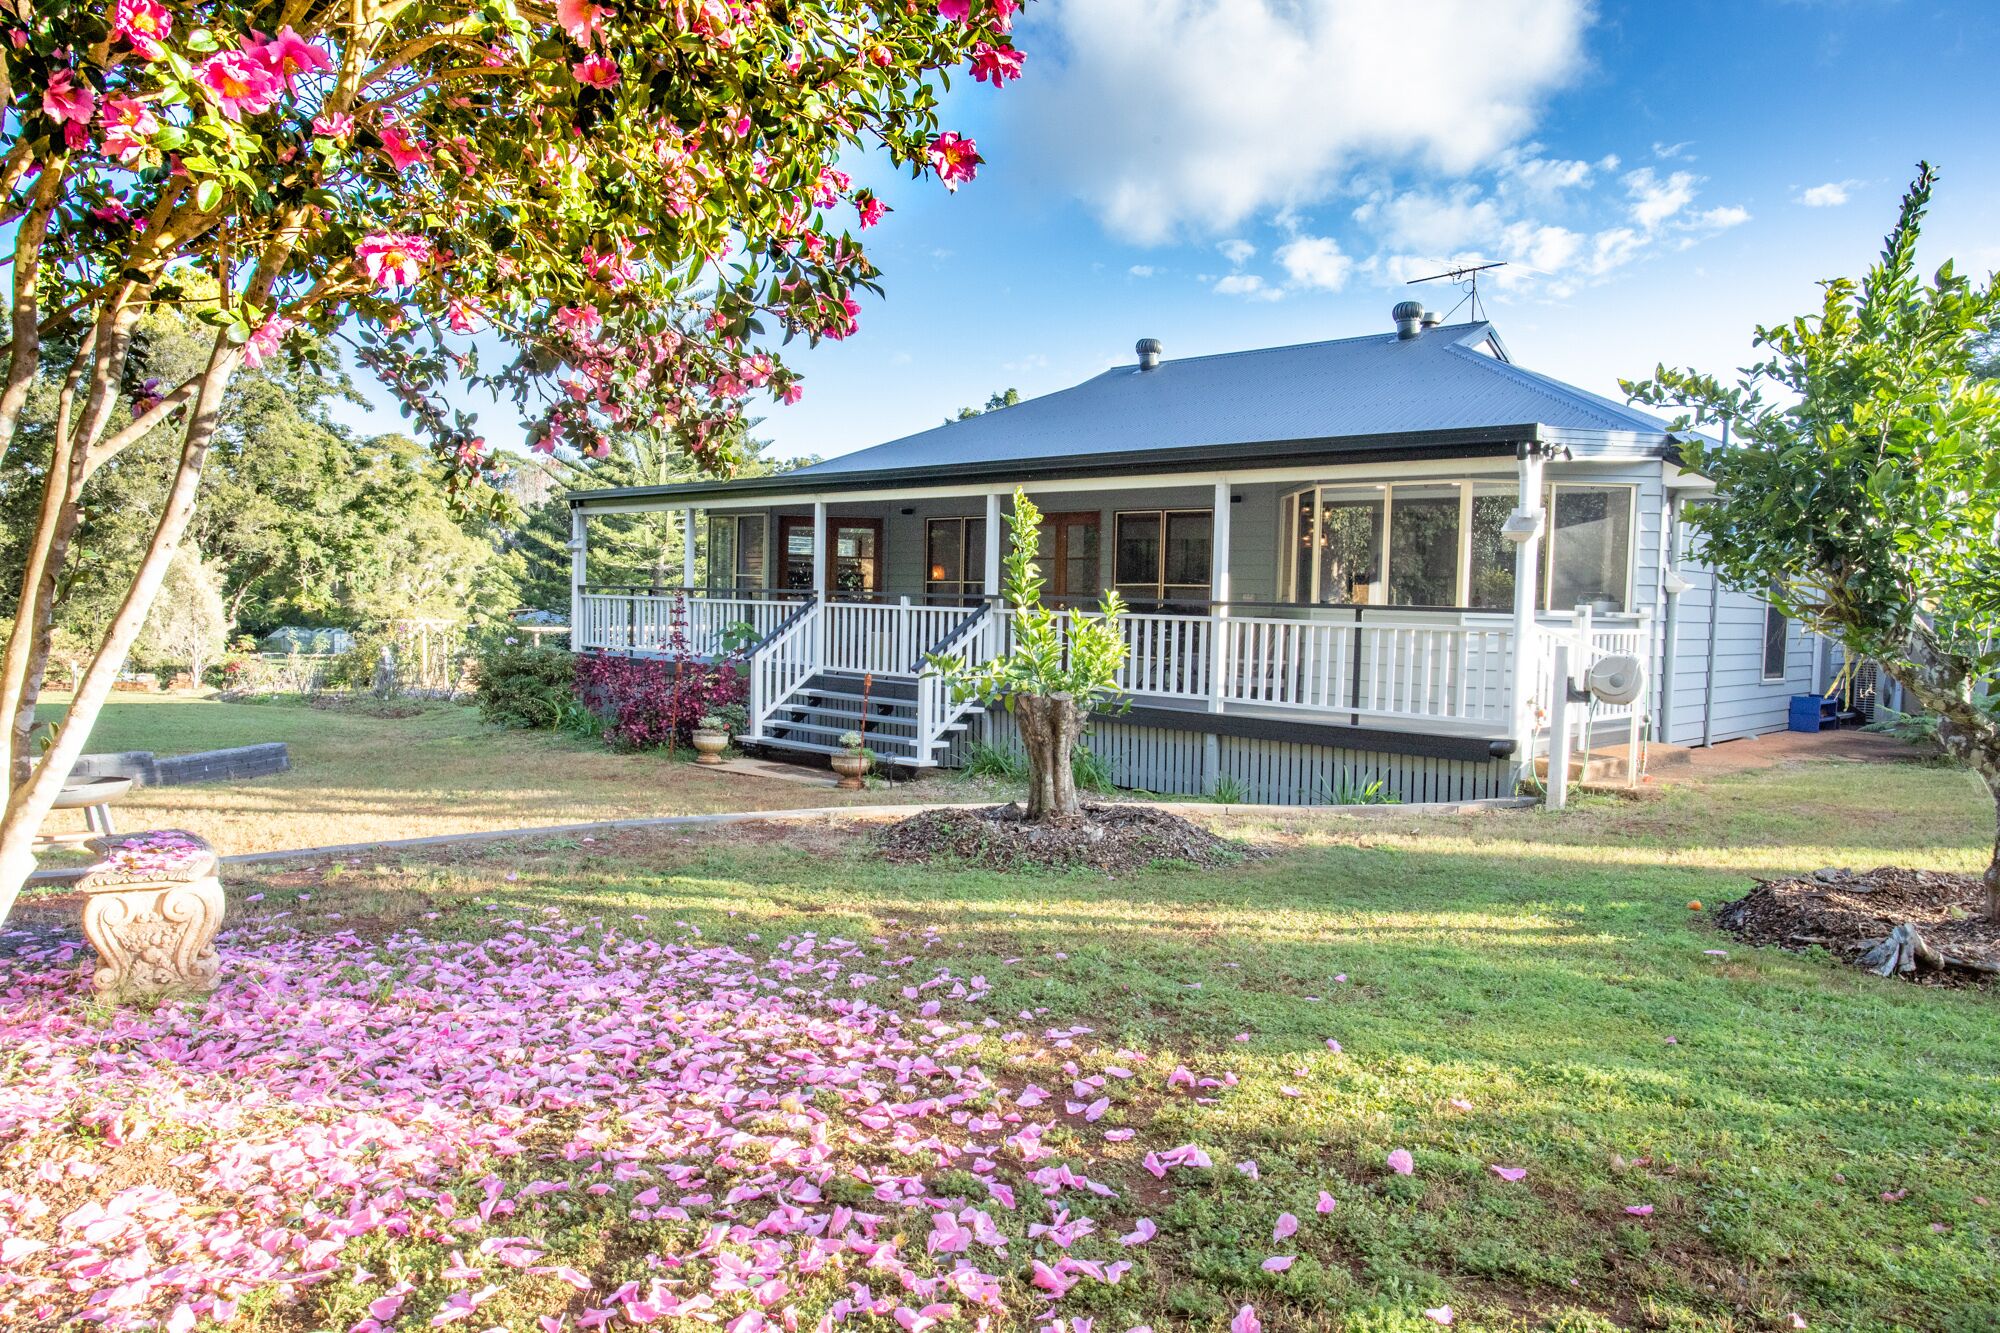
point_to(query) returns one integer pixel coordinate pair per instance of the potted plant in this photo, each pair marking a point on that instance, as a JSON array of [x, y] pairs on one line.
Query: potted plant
[[853, 761], [711, 738]]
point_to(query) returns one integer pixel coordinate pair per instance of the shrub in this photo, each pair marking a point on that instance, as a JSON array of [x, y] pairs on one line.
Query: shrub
[[523, 686], [647, 702], [986, 760], [1091, 770]]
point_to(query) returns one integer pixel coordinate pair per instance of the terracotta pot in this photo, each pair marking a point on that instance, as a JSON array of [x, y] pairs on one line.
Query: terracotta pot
[[709, 746], [852, 768]]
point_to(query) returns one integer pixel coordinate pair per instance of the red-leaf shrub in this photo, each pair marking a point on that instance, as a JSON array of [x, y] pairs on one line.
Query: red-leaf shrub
[[653, 701]]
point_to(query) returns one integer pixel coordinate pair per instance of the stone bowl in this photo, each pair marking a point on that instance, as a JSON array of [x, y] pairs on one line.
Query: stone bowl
[[91, 791]]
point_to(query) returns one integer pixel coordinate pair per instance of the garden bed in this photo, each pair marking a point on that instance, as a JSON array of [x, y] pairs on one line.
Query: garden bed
[[1945, 937], [1115, 839]]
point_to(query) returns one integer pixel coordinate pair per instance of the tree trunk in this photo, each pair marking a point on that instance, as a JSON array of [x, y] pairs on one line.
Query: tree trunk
[[1050, 727], [30, 802]]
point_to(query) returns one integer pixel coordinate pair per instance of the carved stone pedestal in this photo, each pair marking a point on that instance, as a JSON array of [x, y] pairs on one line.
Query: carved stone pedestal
[[152, 906]]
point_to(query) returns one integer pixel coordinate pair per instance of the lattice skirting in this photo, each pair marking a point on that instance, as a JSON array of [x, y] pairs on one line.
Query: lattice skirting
[[1174, 762]]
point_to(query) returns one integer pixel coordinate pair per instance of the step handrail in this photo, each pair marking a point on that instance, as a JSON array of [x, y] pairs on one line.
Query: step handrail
[[777, 670], [961, 627], [936, 708]]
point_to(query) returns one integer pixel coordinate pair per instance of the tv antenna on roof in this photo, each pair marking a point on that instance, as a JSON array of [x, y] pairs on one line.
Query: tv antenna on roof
[[1464, 277]]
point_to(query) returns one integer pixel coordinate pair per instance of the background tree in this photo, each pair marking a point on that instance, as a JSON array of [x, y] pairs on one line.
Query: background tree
[[1063, 667], [188, 625], [1864, 497], [635, 201], [994, 402]]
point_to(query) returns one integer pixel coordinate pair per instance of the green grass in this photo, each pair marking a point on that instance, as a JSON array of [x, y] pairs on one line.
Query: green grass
[[358, 776], [1547, 969]]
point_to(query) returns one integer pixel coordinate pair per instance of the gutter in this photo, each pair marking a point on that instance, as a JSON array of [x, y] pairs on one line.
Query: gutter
[[1481, 442]]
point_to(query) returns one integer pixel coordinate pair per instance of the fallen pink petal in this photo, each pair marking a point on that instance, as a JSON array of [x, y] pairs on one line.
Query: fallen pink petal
[[1509, 1173]]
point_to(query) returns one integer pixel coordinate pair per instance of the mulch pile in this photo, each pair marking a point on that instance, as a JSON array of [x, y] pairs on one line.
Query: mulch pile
[[1115, 839], [1917, 924]]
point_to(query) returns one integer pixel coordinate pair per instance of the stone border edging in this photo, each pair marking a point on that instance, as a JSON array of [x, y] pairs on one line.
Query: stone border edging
[[821, 812]]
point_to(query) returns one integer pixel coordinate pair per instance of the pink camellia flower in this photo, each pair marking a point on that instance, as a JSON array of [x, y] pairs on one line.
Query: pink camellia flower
[[870, 206], [129, 125], [598, 71], [580, 19], [405, 150], [958, 11], [995, 64], [239, 83], [392, 259], [265, 341], [289, 55], [1402, 1163], [955, 157], [142, 25], [68, 100], [333, 125]]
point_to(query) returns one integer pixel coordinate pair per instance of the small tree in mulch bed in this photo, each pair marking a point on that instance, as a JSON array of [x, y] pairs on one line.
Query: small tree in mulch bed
[[1061, 668], [1863, 497]]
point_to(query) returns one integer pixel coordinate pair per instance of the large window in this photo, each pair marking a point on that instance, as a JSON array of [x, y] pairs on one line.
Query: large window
[[1162, 555], [853, 555], [1588, 554], [735, 552], [1424, 545], [1443, 544], [955, 552], [1777, 630]]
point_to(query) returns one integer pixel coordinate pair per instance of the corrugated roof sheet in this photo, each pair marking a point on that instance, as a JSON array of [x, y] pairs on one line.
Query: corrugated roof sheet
[[1374, 385]]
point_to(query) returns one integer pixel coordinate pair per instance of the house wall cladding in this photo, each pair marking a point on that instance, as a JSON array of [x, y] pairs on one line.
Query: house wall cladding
[[1174, 762], [1734, 700]]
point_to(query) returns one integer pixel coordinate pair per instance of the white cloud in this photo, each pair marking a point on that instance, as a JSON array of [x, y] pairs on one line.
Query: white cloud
[[1171, 117], [1721, 219], [1142, 270], [1316, 261], [1238, 252], [1250, 285], [1654, 200], [1830, 195], [1421, 220], [1668, 151]]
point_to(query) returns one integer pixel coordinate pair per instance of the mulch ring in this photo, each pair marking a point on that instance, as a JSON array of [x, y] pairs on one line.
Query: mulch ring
[[1918, 924], [1114, 839]]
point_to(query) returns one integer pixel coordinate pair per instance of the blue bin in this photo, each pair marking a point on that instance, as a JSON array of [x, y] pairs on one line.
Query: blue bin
[[1812, 712]]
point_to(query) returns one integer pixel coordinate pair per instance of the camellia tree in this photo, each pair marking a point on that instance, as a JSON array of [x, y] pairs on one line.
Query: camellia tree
[[1061, 668], [637, 202], [1862, 496]]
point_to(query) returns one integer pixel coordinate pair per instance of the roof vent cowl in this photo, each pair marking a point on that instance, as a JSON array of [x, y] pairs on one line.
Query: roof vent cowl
[[1409, 317], [1149, 350]]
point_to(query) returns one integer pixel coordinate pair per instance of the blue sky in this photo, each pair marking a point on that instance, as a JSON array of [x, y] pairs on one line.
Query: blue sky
[[1224, 174]]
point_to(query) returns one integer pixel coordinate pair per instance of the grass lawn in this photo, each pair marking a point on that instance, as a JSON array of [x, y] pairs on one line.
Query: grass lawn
[[361, 777], [1519, 989]]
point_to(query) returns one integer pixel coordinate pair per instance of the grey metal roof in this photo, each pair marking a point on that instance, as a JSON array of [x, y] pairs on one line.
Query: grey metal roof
[[1376, 393]]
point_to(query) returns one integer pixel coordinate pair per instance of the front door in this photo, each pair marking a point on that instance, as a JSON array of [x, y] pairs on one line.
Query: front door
[[853, 553], [1068, 554]]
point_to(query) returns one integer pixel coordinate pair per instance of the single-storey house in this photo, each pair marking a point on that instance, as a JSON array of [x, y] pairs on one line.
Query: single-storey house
[[1346, 562]]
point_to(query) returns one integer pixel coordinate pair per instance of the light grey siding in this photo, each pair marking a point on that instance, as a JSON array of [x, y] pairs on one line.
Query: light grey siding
[[1724, 696]]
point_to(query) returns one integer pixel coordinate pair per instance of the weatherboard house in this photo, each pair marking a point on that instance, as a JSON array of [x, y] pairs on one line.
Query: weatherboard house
[[1347, 562]]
